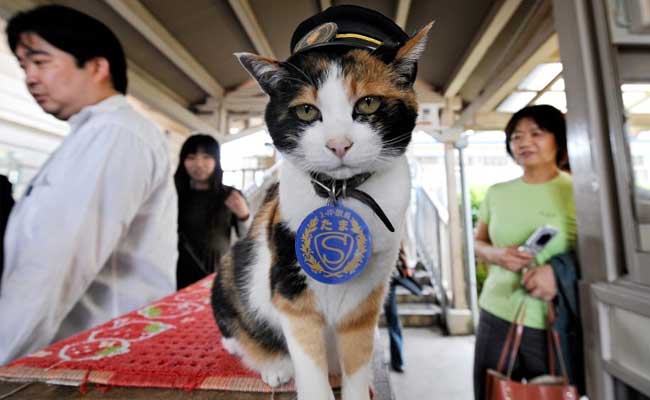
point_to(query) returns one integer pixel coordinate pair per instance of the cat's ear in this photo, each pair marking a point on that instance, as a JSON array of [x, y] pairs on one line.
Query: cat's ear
[[267, 72], [405, 62]]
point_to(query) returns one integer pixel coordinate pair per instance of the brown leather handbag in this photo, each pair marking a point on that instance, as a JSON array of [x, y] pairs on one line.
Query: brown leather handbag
[[500, 386]]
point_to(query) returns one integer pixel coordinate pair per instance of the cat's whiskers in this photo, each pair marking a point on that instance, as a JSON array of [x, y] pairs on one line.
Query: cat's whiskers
[[388, 157], [396, 139], [301, 162], [392, 151]]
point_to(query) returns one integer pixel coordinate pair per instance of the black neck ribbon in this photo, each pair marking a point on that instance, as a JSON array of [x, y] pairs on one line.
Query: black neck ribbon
[[334, 189]]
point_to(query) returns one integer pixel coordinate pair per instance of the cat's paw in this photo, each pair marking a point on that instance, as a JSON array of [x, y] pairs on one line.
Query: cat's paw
[[276, 373]]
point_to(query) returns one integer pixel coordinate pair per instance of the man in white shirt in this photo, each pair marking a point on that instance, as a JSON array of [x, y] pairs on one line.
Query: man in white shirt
[[94, 236]]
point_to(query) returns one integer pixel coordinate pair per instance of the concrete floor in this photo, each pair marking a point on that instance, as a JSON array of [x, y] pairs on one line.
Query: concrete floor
[[436, 367]]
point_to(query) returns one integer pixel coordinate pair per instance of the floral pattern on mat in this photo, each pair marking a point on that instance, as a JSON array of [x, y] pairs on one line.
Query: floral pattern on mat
[[172, 343]]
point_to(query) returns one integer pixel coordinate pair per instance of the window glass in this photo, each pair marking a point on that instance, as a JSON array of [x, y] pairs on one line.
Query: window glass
[[636, 99]]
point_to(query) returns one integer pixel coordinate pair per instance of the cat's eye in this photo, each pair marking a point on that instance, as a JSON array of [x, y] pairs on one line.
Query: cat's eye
[[367, 105], [307, 112]]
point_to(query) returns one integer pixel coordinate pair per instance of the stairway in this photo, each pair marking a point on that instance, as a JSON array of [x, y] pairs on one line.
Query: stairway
[[417, 311]]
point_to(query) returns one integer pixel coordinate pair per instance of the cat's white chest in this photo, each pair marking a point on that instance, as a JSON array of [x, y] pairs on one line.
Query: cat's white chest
[[391, 190]]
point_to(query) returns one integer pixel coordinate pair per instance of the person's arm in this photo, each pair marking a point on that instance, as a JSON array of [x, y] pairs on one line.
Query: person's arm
[[239, 207], [506, 257], [65, 232], [408, 243]]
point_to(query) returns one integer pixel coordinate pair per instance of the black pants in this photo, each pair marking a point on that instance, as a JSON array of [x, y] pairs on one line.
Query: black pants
[[532, 359]]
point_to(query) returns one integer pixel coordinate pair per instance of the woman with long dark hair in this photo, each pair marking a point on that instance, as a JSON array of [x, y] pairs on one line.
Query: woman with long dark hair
[[208, 211]]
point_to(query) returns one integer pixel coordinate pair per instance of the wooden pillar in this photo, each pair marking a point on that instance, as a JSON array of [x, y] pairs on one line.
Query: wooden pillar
[[459, 317], [455, 229]]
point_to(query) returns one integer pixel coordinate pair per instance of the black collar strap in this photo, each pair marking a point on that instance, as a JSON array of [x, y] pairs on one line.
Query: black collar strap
[[334, 189]]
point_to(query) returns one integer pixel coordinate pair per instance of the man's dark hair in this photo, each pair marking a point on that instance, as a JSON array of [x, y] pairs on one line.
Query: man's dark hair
[[75, 33], [549, 119]]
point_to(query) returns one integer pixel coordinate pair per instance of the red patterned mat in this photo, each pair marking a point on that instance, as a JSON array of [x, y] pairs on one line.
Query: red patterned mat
[[172, 343]]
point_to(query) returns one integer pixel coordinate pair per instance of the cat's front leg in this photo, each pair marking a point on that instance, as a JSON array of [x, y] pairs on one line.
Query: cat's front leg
[[355, 335], [304, 331]]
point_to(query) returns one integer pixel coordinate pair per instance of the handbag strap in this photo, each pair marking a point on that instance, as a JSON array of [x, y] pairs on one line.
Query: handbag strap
[[554, 343], [506, 347], [514, 333], [515, 347], [513, 342], [550, 321]]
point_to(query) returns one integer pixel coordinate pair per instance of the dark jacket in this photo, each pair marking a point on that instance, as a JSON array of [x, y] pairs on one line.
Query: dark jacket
[[6, 204], [567, 323], [204, 233]]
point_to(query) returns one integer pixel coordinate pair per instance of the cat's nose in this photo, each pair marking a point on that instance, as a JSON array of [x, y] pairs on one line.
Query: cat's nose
[[339, 146]]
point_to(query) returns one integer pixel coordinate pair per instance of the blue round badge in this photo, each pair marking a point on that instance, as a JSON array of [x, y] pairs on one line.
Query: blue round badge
[[333, 244]]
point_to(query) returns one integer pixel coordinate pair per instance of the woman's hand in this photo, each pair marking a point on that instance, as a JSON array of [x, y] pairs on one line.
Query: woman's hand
[[511, 258], [507, 257], [237, 204], [540, 282]]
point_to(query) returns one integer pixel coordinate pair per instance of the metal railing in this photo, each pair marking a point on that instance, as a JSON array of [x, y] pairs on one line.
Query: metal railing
[[255, 192], [431, 226]]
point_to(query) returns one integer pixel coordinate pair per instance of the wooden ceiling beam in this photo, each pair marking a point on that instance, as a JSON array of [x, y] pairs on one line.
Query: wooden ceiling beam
[[541, 55], [325, 4], [10, 7], [485, 39], [402, 13], [248, 20], [157, 96], [137, 15], [541, 46], [490, 121]]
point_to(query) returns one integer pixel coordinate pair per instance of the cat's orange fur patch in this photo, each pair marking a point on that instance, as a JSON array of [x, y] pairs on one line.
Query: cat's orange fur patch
[[307, 95], [256, 352], [228, 279], [356, 332], [227, 270], [369, 76], [307, 325]]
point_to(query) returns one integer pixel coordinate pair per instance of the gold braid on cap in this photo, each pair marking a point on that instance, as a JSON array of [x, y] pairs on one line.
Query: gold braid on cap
[[358, 36]]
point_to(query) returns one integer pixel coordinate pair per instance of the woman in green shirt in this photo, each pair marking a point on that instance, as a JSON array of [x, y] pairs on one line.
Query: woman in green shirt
[[510, 213]]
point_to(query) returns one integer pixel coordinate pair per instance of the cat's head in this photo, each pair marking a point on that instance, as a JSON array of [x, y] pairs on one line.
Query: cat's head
[[340, 112]]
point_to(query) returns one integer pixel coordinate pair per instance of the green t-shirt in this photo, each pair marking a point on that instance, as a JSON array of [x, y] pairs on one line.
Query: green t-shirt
[[513, 210]]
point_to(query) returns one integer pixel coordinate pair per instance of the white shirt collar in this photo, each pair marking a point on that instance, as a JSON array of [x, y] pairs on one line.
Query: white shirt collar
[[108, 104]]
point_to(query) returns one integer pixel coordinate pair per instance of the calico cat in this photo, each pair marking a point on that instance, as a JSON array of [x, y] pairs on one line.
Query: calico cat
[[338, 115]]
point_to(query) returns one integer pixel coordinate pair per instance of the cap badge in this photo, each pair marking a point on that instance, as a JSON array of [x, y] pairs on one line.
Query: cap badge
[[321, 34]]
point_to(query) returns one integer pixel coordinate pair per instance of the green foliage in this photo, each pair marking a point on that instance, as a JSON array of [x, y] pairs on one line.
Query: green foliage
[[481, 275], [476, 196]]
